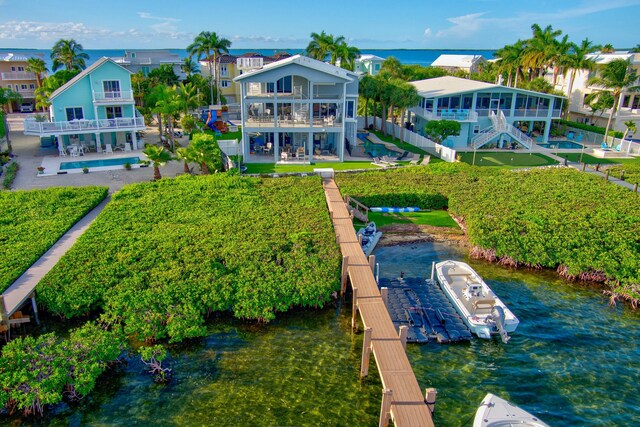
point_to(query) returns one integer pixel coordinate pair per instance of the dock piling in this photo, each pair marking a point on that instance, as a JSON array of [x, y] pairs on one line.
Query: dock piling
[[433, 269], [354, 310], [366, 353], [372, 263], [384, 293], [345, 275], [430, 396], [35, 307], [404, 330], [385, 410]]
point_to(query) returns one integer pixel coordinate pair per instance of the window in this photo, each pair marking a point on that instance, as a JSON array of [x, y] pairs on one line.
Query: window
[[111, 88], [225, 83], [626, 101], [476, 129], [23, 87], [636, 102], [350, 109], [8, 86], [113, 112], [13, 68], [74, 113], [20, 68], [133, 54], [32, 86], [145, 71], [224, 71], [377, 67]]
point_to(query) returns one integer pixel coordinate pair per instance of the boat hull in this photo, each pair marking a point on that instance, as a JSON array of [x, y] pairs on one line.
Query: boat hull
[[497, 412], [455, 278]]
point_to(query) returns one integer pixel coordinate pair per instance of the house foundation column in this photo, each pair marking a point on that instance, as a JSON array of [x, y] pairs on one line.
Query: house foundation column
[[134, 140], [98, 143]]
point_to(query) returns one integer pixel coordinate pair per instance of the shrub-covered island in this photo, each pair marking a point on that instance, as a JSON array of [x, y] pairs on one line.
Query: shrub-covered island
[[164, 255], [553, 218]]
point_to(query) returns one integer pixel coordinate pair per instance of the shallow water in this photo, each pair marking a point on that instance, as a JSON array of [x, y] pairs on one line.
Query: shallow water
[[573, 361]]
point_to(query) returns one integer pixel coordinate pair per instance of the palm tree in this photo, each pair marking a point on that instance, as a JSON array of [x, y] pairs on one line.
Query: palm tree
[[347, 56], [207, 44], [577, 60], [408, 98], [68, 53], [187, 155], [6, 96], [540, 49], [205, 149], [616, 76], [636, 49], [189, 66], [37, 66], [559, 55], [367, 90], [188, 95], [631, 128], [319, 46], [607, 48], [510, 61], [159, 157], [168, 104]]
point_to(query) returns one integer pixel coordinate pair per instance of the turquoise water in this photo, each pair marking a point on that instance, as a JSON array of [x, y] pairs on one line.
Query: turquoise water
[[99, 163], [573, 360], [376, 150], [562, 145]]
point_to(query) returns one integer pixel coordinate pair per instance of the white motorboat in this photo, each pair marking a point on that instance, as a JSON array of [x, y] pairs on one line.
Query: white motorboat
[[480, 309], [497, 412], [370, 236]]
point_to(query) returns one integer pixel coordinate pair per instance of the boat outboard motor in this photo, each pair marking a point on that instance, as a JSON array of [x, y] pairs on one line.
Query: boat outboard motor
[[497, 313]]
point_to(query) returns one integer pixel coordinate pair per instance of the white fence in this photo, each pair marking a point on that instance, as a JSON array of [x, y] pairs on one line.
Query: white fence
[[445, 153], [230, 147]]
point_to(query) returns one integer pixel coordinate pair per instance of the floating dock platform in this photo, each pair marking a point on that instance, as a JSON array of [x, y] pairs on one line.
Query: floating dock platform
[[422, 306]]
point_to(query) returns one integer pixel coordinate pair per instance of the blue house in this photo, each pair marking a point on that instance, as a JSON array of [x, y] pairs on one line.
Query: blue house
[[94, 109], [489, 114]]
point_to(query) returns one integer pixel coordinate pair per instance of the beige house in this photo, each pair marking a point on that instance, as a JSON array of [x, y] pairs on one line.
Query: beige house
[[13, 75], [452, 63]]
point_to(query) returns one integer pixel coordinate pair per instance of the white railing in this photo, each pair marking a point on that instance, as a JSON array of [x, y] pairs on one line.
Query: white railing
[[483, 137], [18, 75], [81, 126], [26, 93], [229, 146], [445, 153], [120, 95], [463, 115]]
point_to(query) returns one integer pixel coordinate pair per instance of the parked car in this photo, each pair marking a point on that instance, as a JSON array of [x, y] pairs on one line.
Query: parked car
[[26, 108]]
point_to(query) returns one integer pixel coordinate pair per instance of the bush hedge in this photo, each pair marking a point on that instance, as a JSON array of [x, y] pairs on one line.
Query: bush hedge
[[32, 221], [164, 255], [589, 128], [554, 218]]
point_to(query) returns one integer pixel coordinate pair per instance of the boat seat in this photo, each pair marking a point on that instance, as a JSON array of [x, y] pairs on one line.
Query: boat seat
[[483, 304]]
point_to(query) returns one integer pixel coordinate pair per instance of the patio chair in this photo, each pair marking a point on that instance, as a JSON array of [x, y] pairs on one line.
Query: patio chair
[[300, 152], [579, 137], [268, 148], [426, 160], [108, 149], [604, 145], [570, 135], [127, 147], [414, 159], [388, 161], [73, 151], [62, 151], [378, 162]]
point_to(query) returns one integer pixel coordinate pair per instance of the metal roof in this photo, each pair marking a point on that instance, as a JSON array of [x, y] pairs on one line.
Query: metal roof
[[305, 62], [449, 85], [83, 73]]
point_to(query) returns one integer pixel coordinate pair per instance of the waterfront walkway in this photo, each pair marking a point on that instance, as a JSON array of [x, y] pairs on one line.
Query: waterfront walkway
[[402, 399], [23, 288]]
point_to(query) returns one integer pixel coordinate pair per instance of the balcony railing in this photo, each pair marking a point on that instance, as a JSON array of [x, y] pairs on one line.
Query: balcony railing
[[460, 115], [82, 126], [289, 121], [540, 112], [26, 93], [18, 75], [113, 96]]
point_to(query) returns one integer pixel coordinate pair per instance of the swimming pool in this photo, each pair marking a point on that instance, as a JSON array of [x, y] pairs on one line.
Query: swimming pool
[[564, 145], [118, 161], [376, 150]]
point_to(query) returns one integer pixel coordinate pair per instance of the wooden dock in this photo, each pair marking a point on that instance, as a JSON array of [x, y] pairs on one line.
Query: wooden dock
[[24, 287], [402, 398]]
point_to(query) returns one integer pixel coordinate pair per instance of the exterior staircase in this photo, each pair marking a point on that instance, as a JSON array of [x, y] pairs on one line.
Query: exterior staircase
[[500, 126]]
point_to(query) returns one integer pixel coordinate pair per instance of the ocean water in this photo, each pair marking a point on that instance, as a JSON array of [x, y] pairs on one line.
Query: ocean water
[[422, 57]]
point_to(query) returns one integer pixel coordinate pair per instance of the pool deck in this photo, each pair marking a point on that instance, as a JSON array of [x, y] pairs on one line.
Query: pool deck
[[51, 164], [372, 137]]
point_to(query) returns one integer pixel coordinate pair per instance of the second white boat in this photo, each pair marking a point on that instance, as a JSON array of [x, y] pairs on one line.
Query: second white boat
[[481, 310]]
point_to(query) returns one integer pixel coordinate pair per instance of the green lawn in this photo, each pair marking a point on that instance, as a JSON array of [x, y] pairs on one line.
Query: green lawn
[[274, 168], [506, 159], [405, 146], [436, 218], [586, 158]]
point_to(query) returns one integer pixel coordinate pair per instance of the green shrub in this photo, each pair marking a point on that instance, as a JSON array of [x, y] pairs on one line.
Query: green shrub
[[10, 175], [589, 128], [195, 245], [32, 221]]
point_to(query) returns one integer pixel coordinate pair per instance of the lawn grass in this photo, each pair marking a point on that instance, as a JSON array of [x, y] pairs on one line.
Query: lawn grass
[[274, 168], [507, 159], [586, 158], [405, 146], [435, 218]]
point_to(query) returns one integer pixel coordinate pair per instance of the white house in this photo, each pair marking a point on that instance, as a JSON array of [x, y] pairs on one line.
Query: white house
[[298, 109], [488, 113], [452, 63], [149, 59], [368, 64], [628, 104]]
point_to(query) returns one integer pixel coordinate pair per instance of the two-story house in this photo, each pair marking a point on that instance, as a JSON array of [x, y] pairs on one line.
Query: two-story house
[[95, 108], [149, 59], [453, 63], [13, 75], [488, 113], [298, 109], [628, 104], [368, 64]]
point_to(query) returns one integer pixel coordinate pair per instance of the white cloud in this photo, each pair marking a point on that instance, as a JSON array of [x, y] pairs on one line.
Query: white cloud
[[462, 25], [427, 33], [147, 15]]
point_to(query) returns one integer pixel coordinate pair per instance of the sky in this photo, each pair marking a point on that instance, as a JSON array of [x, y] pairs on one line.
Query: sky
[[260, 24]]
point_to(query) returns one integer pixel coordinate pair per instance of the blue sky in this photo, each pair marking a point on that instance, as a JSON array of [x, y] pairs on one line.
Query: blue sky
[[445, 24]]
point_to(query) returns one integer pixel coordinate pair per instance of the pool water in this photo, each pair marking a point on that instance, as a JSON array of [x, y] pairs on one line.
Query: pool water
[[376, 150], [552, 145], [99, 163]]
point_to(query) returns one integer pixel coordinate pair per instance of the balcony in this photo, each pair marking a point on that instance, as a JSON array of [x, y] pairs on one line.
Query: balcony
[[18, 75], [32, 127], [26, 93], [114, 97], [460, 115], [540, 113], [289, 121]]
